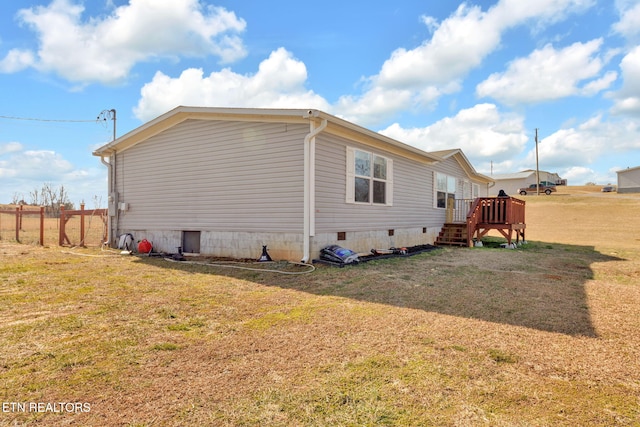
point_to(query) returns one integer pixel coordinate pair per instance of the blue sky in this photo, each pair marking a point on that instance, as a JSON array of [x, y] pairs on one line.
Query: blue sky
[[477, 75]]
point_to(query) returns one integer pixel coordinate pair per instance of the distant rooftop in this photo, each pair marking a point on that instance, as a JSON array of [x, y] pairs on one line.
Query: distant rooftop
[[517, 175]]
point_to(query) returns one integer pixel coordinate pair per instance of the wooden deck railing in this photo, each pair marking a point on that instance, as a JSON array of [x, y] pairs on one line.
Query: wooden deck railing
[[458, 211], [492, 210], [500, 210], [504, 214]]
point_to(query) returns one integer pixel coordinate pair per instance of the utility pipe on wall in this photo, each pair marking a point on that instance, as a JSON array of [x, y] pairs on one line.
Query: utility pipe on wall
[[309, 182], [111, 188]]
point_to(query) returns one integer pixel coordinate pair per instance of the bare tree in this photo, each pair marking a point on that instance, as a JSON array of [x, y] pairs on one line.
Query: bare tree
[[49, 196], [97, 202], [34, 197], [53, 199], [18, 199]]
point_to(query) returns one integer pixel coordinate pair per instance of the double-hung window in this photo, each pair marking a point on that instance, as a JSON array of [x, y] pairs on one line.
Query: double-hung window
[[369, 178], [476, 191], [445, 189]]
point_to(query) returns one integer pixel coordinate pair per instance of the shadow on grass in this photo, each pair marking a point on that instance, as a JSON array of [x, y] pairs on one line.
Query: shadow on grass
[[541, 286]]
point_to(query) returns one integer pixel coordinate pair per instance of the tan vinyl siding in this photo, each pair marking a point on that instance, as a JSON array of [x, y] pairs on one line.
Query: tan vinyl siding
[[412, 192], [215, 175], [451, 167]]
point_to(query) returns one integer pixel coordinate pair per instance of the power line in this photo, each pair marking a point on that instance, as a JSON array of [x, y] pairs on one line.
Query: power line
[[46, 120]]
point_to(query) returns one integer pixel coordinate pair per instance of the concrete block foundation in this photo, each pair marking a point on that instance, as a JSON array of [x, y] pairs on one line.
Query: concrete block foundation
[[364, 241], [236, 244], [283, 246]]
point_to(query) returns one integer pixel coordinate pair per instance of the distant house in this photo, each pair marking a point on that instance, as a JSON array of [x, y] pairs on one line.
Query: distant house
[[225, 181], [629, 180], [510, 182]]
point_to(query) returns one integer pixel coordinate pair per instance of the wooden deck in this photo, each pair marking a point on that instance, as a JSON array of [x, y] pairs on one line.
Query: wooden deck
[[504, 214]]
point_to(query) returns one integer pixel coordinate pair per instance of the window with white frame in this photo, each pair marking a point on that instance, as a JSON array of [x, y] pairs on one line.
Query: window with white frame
[[445, 187], [369, 178], [470, 190], [476, 190]]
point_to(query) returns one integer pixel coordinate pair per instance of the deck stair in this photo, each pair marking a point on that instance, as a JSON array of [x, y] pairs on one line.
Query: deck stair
[[453, 234]]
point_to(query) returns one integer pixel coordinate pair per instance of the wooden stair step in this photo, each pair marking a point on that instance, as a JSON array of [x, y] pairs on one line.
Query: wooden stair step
[[453, 235]]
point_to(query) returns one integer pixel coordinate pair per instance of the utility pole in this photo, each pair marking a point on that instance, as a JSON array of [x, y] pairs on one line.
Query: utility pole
[[112, 225], [106, 115], [537, 167]]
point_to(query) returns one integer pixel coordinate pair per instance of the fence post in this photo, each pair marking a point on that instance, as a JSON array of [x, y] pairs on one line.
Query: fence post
[[62, 223], [82, 225], [17, 224], [41, 225]]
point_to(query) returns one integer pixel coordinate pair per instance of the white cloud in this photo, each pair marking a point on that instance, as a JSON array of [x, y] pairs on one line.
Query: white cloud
[[548, 74], [458, 44], [106, 49], [374, 106], [628, 98], [279, 83], [16, 60], [598, 85], [23, 171], [410, 79], [629, 24], [35, 164], [577, 175], [587, 143], [463, 40], [10, 147], [431, 23], [482, 132]]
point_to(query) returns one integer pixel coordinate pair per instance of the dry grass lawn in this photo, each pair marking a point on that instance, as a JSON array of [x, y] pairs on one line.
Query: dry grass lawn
[[545, 335]]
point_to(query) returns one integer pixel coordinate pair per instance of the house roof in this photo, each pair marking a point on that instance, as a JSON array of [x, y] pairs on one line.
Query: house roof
[[458, 155], [527, 173], [183, 113], [335, 125], [627, 170], [516, 175]]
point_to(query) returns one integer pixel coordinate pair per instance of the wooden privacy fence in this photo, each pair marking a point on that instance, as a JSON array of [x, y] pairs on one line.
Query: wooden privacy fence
[[72, 227]]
